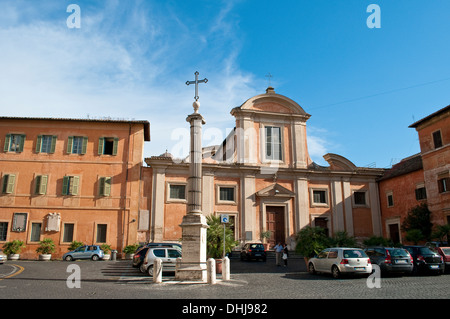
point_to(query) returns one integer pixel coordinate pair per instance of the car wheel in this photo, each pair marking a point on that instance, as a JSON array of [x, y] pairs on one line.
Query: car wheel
[[150, 271], [95, 258], [68, 258], [311, 269], [335, 272]]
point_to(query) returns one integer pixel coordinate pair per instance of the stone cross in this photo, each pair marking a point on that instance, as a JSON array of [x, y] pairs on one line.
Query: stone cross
[[196, 82]]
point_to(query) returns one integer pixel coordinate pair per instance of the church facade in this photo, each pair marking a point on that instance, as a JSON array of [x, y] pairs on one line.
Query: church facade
[[263, 177]]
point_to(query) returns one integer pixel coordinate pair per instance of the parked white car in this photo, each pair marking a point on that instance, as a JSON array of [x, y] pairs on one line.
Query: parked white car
[[339, 261], [167, 255]]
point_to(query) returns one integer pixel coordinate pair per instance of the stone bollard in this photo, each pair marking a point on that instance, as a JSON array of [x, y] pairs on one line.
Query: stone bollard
[[226, 269], [157, 271], [211, 271]]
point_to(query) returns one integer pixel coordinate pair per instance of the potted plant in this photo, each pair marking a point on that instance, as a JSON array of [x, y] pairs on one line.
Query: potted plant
[[46, 248], [265, 235], [74, 245], [130, 250], [13, 248], [215, 240], [310, 241], [106, 250]]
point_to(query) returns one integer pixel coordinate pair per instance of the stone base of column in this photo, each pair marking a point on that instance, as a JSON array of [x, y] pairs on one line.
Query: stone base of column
[[192, 265]]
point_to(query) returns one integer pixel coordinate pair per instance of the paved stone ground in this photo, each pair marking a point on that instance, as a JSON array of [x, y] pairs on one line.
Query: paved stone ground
[[249, 280]]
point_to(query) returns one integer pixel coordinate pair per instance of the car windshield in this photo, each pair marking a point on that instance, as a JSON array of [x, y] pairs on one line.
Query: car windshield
[[446, 251], [354, 253], [256, 246], [425, 251], [398, 253]]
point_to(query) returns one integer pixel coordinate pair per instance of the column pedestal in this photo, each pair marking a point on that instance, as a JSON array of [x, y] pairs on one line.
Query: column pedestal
[[192, 265]]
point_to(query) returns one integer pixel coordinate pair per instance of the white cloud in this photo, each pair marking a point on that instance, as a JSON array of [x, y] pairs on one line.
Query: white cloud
[[126, 61], [319, 144]]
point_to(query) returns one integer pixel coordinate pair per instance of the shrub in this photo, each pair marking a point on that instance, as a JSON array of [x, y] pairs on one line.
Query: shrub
[[74, 245], [106, 248], [46, 246], [13, 247], [311, 240], [215, 237], [130, 249]]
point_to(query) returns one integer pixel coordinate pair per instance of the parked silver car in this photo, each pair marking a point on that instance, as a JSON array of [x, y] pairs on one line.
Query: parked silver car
[[93, 252], [167, 255], [339, 261], [3, 257]]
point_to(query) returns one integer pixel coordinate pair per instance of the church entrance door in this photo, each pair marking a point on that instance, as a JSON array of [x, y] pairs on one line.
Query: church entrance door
[[275, 224]]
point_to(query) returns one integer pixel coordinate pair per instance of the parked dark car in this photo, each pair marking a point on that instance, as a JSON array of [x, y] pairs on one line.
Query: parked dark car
[[391, 260], [253, 251], [139, 256], [425, 260]]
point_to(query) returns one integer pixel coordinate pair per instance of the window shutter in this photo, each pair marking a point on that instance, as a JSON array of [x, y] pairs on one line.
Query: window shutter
[[22, 142], [101, 187], [11, 179], [7, 141], [101, 141], [5, 183], [116, 144], [69, 145], [107, 186], [52, 149], [65, 185], [75, 186], [38, 144], [43, 185], [38, 184], [83, 150]]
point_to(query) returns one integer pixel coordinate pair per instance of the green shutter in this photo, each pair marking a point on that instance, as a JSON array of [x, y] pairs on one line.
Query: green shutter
[[107, 186], [10, 180], [85, 141], [116, 144], [101, 186], [43, 185], [22, 142], [7, 141], [69, 145], [39, 144], [104, 186], [65, 189], [101, 142], [38, 184], [5, 183], [75, 185], [52, 149]]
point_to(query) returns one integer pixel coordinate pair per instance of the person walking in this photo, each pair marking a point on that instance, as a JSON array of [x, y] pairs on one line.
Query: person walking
[[278, 253], [285, 255]]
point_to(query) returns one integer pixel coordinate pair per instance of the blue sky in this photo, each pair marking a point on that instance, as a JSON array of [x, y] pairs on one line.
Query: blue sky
[[130, 59]]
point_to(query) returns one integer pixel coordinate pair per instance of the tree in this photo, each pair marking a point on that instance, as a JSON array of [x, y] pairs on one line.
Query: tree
[[342, 239], [311, 241], [442, 232], [215, 237], [378, 241], [419, 218], [414, 235]]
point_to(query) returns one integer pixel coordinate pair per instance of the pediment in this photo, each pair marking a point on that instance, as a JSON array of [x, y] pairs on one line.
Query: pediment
[[271, 102], [338, 162], [275, 190]]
